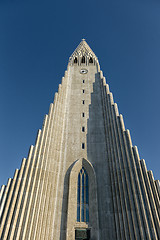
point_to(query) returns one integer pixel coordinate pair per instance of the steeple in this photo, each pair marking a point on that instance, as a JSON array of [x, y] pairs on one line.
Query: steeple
[[83, 179], [83, 54]]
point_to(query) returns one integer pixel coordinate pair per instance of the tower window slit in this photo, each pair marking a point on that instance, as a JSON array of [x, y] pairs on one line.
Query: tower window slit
[[91, 60], [83, 101], [83, 90], [83, 114], [83, 81], [83, 129], [83, 145], [83, 60], [75, 60]]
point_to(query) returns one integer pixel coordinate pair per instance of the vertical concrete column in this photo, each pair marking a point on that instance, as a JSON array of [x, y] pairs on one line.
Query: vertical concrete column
[[40, 179], [13, 200], [113, 157], [145, 195], [105, 90], [7, 206], [62, 122], [40, 175], [1, 192], [20, 196], [154, 190], [30, 185], [53, 168], [119, 130], [151, 198], [135, 188], [157, 183], [46, 188], [4, 197], [47, 185], [120, 167]]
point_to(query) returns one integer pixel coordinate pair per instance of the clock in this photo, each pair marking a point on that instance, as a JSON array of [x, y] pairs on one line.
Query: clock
[[83, 71]]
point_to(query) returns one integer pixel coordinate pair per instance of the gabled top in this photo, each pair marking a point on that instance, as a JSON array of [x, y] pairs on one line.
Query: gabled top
[[83, 54]]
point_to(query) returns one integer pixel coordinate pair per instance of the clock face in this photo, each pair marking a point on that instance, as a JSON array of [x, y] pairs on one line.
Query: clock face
[[83, 71]]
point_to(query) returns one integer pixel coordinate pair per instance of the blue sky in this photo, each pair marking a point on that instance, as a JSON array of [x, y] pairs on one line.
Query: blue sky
[[36, 40]]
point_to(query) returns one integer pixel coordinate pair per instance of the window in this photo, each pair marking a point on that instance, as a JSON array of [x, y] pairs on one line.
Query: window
[[75, 60], [83, 129], [83, 114], [83, 90], [83, 101], [83, 60], [83, 145], [83, 81], [82, 197], [91, 60]]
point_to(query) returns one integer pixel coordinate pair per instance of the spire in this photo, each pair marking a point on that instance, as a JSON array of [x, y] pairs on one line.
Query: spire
[[83, 50]]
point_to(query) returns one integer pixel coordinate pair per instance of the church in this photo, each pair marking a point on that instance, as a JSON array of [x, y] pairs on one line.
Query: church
[[83, 179]]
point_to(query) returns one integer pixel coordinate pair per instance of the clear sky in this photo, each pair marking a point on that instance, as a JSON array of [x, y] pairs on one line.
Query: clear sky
[[36, 40]]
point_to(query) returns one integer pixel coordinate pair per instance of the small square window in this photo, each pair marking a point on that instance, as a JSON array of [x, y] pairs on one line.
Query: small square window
[[83, 101], [83, 114], [83, 129], [83, 145]]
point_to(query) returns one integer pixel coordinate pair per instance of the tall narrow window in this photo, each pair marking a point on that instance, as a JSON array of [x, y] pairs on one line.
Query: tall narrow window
[[83, 81], [91, 60], [83, 101], [75, 60], [83, 114], [83, 129], [82, 197], [83, 60], [83, 90], [83, 146]]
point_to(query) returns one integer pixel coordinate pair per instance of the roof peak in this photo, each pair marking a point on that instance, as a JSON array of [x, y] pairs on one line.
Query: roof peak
[[83, 49]]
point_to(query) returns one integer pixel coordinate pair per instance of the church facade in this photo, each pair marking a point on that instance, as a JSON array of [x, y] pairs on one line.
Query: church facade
[[83, 179]]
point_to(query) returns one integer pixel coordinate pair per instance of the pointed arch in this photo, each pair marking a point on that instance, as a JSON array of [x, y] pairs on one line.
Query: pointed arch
[[83, 60], [91, 60], [79, 169], [75, 60]]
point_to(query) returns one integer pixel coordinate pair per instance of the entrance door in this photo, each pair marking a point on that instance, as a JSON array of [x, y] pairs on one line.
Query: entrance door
[[82, 234]]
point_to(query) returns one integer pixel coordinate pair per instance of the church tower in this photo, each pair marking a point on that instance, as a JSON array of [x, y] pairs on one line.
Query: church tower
[[83, 179]]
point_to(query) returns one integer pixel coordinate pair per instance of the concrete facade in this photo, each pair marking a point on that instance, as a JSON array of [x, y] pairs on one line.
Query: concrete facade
[[83, 129]]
